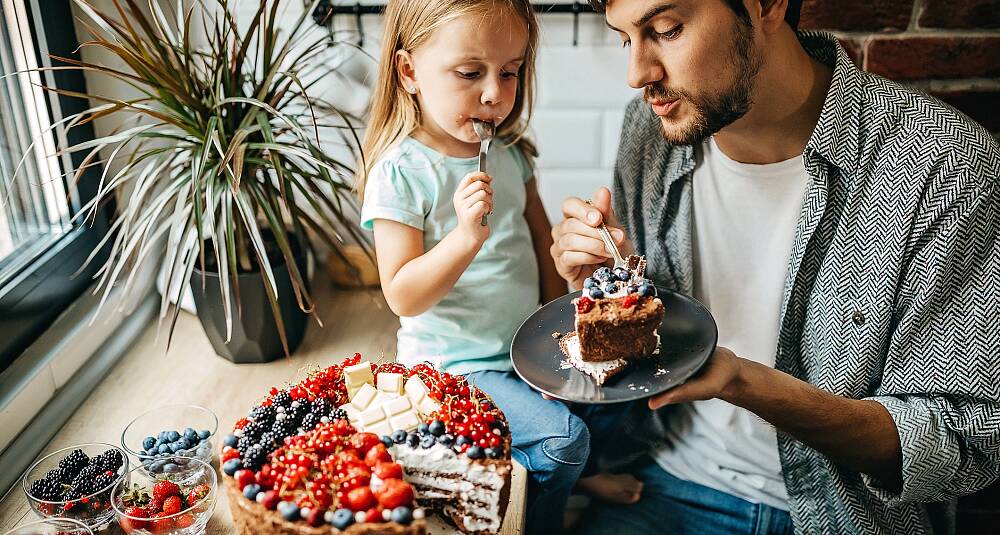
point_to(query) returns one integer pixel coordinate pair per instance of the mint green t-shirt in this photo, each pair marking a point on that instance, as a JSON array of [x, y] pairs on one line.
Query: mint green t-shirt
[[472, 327]]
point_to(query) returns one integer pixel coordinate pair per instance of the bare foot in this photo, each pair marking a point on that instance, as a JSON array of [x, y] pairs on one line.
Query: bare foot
[[614, 488]]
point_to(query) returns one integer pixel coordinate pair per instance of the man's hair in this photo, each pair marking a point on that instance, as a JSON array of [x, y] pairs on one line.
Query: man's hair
[[791, 14]]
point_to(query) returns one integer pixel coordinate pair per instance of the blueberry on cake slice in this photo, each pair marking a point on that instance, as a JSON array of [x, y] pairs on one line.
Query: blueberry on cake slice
[[616, 320]]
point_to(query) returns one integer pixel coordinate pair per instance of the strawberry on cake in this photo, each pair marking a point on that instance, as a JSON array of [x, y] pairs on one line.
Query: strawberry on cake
[[616, 320], [358, 448]]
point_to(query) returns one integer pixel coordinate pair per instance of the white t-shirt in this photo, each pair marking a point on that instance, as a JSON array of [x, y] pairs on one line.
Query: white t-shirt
[[744, 224]]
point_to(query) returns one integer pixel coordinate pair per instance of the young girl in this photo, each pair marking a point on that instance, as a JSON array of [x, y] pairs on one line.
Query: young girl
[[461, 288]]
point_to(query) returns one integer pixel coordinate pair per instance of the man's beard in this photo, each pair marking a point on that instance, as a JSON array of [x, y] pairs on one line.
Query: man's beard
[[713, 112]]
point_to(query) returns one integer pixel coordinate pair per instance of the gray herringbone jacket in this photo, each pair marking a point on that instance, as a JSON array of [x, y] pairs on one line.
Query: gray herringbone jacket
[[892, 291]]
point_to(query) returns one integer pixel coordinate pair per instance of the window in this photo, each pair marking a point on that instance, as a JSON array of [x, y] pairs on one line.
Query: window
[[42, 252], [34, 208]]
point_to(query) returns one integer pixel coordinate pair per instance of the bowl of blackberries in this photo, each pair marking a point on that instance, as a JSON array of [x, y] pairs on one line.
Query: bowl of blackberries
[[166, 438], [166, 504], [76, 483]]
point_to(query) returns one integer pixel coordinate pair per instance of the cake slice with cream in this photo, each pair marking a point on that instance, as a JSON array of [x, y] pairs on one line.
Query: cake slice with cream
[[616, 321]]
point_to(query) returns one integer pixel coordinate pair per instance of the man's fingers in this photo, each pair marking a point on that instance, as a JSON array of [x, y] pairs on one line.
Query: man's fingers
[[584, 244], [576, 208], [575, 259], [674, 395], [602, 201]]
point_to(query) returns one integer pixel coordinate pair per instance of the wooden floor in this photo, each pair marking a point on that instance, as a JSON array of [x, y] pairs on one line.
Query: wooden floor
[[147, 377]]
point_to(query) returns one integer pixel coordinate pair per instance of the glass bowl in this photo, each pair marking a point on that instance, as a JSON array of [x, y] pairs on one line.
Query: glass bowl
[[52, 526], [164, 439], [92, 507], [190, 520]]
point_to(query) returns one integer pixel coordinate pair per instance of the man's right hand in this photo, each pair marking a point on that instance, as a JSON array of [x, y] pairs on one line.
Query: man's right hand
[[577, 247]]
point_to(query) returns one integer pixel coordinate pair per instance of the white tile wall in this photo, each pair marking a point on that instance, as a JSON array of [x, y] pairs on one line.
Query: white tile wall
[[582, 92]]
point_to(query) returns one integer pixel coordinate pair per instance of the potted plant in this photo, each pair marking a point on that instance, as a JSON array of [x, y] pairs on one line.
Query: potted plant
[[226, 178]]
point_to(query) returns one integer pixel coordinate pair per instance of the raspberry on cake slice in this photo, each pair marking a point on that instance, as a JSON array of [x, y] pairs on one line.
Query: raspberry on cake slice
[[616, 320]]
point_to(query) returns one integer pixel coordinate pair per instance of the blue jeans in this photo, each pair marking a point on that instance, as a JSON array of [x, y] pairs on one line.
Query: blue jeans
[[675, 506], [552, 440]]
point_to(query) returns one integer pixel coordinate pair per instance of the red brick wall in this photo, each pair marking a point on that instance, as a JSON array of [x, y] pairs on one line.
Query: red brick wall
[[948, 48]]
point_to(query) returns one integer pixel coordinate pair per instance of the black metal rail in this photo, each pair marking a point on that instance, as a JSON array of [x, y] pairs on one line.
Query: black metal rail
[[326, 10]]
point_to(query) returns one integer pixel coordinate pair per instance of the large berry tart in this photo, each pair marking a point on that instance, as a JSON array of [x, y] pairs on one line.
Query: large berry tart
[[616, 318], [357, 448]]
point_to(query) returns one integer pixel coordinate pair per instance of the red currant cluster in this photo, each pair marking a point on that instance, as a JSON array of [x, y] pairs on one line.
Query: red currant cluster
[[333, 466], [392, 367], [466, 413], [584, 304], [326, 383]]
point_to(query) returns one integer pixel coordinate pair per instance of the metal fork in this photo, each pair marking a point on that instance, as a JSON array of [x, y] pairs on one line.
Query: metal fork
[[484, 130], [609, 244]]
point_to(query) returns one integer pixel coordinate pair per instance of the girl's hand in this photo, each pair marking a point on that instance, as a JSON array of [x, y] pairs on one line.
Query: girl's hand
[[473, 200]]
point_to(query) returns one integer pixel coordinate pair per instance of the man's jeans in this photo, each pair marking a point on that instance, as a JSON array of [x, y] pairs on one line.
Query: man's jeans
[[674, 506], [551, 440]]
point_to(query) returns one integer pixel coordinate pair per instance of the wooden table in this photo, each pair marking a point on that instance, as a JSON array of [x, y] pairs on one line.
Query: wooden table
[[147, 377]]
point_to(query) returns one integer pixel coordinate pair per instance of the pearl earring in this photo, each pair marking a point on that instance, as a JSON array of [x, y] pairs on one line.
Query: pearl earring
[[412, 89]]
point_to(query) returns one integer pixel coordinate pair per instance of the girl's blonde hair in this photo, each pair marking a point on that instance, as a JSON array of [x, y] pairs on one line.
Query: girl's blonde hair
[[394, 112]]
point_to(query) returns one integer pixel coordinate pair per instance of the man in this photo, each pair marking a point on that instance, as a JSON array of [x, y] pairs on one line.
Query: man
[[843, 231]]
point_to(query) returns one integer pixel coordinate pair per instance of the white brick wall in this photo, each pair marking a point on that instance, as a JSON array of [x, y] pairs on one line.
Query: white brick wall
[[582, 92]]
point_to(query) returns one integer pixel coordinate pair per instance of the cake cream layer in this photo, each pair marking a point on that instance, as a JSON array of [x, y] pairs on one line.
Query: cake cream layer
[[470, 489], [600, 370]]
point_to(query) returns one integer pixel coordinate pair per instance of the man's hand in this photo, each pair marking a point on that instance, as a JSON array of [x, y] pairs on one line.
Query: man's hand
[[857, 433], [577, 247], [718, 379]]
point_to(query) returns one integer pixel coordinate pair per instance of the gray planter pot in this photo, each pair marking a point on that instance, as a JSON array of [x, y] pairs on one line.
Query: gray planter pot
[[255, 336]]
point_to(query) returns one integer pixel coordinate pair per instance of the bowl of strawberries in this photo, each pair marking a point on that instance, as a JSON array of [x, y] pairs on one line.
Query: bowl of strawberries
[[169, 504]]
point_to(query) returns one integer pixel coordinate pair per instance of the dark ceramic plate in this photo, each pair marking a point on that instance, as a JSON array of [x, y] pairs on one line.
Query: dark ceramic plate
[[687, 338]]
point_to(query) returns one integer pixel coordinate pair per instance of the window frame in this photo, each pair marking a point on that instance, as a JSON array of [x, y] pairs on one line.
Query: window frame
[[36, 294]]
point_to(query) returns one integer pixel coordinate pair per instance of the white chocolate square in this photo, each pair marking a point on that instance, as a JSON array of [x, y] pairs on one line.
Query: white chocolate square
[[357, 375], [371, 416], [407, 421], [381, 429], [415, 387], [398, 405], [379, 400], [427, 405], [390, 383], [364, 397]]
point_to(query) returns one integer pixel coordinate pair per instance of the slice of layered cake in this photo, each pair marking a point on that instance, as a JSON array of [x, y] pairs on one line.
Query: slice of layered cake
[[616, 320]]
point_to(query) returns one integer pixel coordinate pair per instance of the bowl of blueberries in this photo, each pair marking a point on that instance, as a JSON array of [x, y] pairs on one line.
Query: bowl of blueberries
[[166, 438], [75, 483]]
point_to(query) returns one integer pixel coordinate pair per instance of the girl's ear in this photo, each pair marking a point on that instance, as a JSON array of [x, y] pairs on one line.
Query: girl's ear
[[404, 69]]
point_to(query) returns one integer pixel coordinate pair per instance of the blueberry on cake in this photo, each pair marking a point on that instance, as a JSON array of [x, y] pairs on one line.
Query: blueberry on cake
[[616, 320]]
